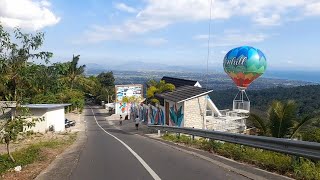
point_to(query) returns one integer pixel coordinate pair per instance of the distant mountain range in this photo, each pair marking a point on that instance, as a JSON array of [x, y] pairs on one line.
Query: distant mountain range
[[93, 69]]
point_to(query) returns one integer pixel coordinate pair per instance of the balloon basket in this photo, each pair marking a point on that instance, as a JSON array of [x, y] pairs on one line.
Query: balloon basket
[[241, 102]]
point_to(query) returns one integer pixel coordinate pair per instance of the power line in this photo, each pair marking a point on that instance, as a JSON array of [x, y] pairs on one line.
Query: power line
[[208, 52]]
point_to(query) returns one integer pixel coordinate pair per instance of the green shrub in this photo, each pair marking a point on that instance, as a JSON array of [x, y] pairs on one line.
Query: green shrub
[[306, 169], [23, 157], [185, 139], [312, 135], [272, 161]]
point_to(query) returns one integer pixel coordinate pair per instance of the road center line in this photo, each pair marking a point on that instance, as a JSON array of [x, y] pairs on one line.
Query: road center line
[[144, 164]]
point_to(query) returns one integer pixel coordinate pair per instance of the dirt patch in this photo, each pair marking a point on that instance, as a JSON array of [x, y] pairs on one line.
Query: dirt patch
[[47, 155], [25, 141]]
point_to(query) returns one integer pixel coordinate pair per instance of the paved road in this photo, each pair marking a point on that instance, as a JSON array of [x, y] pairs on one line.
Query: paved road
[[105, 157]]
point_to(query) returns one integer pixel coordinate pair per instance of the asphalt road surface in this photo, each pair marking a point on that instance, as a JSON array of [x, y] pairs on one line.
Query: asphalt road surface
[[113, 154]]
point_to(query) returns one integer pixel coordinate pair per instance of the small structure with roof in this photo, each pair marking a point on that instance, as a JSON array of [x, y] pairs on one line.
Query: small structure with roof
[[185, 106], [177, 82], [189, 105], [53, 116]]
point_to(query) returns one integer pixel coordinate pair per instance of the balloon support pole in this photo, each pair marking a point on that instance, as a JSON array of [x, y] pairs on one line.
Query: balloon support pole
[[241, 102]]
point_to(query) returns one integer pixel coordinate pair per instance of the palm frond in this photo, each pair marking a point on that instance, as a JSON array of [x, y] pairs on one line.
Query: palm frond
[[259, 123], [305, 121]]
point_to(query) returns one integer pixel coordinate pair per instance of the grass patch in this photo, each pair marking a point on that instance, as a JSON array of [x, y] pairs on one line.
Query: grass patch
[[299, 168], [32, 153]]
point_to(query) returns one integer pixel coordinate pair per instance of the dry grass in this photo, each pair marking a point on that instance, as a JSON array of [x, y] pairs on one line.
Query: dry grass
[[46, 152]]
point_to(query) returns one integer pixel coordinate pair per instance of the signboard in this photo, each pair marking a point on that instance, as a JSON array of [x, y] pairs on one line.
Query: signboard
[[122, 91], [128, 91]]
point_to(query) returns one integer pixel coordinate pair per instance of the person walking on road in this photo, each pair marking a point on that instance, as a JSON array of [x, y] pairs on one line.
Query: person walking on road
[[137, 122], [120, 120]]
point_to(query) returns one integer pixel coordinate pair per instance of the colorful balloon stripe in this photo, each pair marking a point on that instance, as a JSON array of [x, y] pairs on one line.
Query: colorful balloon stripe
[[244, 64]]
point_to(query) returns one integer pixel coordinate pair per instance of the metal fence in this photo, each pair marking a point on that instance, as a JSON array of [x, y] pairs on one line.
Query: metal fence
[[293, 147]]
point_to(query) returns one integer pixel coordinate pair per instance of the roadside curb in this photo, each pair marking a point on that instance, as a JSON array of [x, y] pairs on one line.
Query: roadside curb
[[64, 164]]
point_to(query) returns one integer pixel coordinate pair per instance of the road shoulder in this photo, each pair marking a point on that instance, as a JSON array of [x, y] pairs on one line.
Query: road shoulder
[[64, 164]]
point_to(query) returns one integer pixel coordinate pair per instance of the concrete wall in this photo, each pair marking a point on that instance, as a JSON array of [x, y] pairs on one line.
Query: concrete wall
[[40, 126], [49, 117], [194, 112], [56, 117]]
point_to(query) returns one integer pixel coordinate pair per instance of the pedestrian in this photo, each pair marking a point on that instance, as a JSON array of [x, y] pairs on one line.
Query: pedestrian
[[137, 122], [120, 120]]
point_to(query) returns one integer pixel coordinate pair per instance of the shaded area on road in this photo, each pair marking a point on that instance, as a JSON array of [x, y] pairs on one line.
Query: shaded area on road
[[105, 158]]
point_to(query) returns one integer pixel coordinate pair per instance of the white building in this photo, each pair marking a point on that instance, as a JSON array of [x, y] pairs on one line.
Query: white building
[[195, 115], [53, 116]]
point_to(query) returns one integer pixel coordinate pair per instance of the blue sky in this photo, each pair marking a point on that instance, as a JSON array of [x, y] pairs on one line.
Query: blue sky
[[173, 32]]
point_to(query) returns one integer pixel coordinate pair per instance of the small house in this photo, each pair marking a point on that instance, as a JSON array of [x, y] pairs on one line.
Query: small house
[[53, 116], [185, 106], [189, 105]]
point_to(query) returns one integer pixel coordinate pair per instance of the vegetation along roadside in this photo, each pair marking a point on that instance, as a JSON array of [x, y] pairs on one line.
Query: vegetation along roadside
[[35, 157]]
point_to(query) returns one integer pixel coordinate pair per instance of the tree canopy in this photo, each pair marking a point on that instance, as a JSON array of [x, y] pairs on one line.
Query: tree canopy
[[24, 81], [155, 87], [282, 120]]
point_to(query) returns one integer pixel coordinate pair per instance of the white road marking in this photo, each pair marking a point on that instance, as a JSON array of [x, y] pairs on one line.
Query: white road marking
[[144, 164]]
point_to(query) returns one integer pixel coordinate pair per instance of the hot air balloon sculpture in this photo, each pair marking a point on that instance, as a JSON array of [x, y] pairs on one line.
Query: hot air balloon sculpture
[[244, 64]]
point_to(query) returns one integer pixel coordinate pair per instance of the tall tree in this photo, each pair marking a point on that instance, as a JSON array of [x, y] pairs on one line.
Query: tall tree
[[75, 72], [106, 79], [15, 60]]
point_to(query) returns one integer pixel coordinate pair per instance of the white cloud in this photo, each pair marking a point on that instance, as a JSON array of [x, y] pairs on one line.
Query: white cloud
[[223, 52], [160, 14], [45, 3], [27, 14], [234, 38], [313, 8], [124, 7], [156, 41], [273, 20], [200, 37]]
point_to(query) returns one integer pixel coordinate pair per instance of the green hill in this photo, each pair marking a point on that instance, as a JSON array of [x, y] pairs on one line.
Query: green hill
[[306, 97]]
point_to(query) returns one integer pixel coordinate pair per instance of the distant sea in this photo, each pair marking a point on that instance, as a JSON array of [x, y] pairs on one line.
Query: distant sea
[[309, 76]]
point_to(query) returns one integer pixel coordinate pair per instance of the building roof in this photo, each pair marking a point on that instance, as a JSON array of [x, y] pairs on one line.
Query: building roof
[[44, 106], [183, 93], [177, 82]]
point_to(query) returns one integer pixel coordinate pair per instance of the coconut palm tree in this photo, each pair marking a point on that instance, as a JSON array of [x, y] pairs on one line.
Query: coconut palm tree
[[72, 75], [74, 72], [281, 121]]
